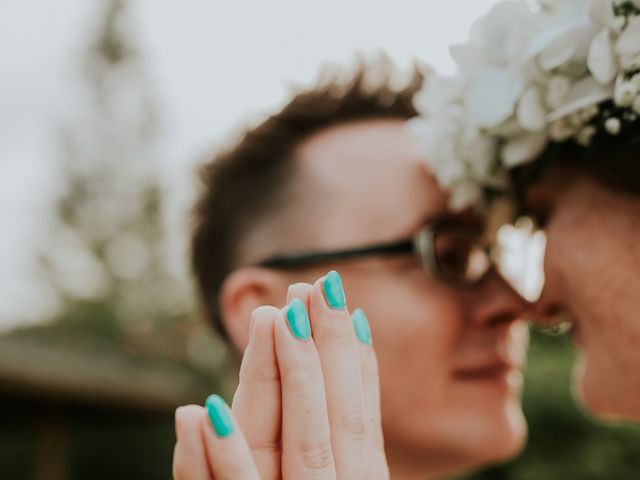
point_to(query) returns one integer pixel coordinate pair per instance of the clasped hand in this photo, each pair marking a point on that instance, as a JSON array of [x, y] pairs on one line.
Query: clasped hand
[[307, 405]]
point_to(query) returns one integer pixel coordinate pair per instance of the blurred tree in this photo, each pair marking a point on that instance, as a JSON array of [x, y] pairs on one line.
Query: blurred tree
[[91, 393], [105, 254]]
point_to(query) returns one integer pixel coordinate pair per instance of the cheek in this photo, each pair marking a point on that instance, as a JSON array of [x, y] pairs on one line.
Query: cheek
[[576, 264], [415, 329], [592, 269]]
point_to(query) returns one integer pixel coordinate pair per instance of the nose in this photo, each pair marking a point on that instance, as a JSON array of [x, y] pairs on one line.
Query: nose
[[495, 302]]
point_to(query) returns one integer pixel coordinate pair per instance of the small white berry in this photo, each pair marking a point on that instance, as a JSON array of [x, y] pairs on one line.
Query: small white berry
[[613, 125]]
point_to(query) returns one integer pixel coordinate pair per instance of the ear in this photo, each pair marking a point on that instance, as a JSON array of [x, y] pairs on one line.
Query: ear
[[244, 290]]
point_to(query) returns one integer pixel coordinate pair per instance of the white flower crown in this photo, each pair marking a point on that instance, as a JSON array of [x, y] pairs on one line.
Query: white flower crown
[[532, 72]]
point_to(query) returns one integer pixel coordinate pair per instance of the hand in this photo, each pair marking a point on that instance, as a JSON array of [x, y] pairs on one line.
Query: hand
[[307, 406]]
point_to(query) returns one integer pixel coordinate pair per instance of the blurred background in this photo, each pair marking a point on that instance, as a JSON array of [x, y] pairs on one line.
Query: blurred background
[[106, 108]]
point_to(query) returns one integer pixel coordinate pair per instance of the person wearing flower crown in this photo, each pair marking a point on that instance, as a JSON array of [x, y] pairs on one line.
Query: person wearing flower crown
[[545, 106], [545, 110], [333, 181]]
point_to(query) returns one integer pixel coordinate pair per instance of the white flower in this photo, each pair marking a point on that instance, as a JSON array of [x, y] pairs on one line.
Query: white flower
[[628, 44], [458, 155], [531, 72], [561, 130], [612, 125], [563, 34], [557, 90], [601, 60], [523, 149], [464, 194], [557, 47], [531, 112], [584, 94], [601, 14], [479, 151], [501, 35], [620, 23], [438, 94], [624, 92], [492, 96]]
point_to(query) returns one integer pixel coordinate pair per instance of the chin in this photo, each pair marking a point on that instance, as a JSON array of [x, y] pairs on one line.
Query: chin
[[604, 394], [494, 435], [499, 446], [493, 425], [506, 435]]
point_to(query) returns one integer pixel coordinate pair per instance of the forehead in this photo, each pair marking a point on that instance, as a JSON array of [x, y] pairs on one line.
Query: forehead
[[369, 180]]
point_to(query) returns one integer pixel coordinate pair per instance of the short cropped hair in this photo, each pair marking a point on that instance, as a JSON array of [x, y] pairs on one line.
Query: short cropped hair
[[247, 184]]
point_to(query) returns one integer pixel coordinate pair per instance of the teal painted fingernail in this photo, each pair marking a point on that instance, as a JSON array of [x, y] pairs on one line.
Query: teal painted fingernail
[[333, 291], [298, 320], [361, 326], [219, 415]]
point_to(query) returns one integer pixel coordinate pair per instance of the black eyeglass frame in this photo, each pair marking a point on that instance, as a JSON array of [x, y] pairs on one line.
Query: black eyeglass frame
[[421, 244]]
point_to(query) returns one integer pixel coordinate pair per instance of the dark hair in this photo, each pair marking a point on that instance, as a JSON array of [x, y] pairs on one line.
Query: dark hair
[[246, 184], [613, 160]]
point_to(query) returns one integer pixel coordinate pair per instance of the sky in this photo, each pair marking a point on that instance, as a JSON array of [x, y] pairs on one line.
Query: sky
[[214, 67]]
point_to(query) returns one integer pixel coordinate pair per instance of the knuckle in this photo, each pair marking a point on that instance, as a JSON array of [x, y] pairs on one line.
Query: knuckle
[[271, 447], [353, 422], [317, 457]]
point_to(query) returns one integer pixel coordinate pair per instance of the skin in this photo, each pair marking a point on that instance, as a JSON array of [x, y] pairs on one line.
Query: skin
[[294, 414], [449, 358], [591, 276]]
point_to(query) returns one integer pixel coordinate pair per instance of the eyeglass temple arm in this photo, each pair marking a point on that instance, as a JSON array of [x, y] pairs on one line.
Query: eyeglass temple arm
[[307, 258]]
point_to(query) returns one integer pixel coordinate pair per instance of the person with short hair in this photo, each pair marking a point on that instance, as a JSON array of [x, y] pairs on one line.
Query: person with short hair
[[333, 183]]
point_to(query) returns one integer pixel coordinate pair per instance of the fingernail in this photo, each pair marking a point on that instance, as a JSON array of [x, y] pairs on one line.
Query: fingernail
[[219, 415], [361, 326], [298, 320], [333, 291]]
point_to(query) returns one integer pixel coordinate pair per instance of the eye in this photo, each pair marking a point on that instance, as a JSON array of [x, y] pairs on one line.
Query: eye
[[452, 252], [460, 255]]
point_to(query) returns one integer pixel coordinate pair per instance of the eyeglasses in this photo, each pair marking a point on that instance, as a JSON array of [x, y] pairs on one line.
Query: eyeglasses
[[451, 252]]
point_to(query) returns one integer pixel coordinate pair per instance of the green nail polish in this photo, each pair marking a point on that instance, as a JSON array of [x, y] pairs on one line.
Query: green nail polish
[[219, 415], [298, 320], [333, 291], [361, 326]]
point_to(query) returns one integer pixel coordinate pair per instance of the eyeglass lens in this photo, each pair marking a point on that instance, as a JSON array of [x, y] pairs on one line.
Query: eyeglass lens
[[460, 255]]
